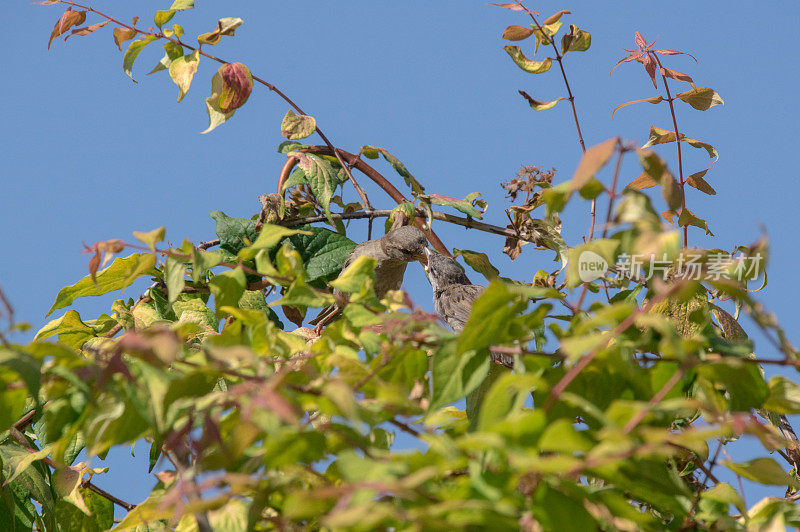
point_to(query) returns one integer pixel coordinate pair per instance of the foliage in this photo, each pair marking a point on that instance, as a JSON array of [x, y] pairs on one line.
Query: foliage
[[612, 414]]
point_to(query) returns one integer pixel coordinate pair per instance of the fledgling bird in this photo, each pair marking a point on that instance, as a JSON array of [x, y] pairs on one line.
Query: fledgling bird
[[393, 252], [454, 294]]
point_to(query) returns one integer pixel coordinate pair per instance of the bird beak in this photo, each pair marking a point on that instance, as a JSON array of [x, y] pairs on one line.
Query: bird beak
[[425, 260]]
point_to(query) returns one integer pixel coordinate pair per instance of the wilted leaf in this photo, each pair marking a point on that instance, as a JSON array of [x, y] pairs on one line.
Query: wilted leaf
[[295, 126], [517, 33], [696, 180], [371, 152], [87, 30], [577, 40], [654, 99], [642, 182], [237, 84], [132, 53], [182, 70], [536, 105], [68, 19], [122, 35], [554, 17], [528, 65], [694, 143], [680, 76], [471, 205], [592, 161], [216, 115], [545, 34], [701, 98], [121, 273], [687, 217], [225, 26], [509, 5]]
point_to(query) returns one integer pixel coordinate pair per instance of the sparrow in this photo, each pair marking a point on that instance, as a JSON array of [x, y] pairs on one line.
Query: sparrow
[[393, 252], [454, 294]]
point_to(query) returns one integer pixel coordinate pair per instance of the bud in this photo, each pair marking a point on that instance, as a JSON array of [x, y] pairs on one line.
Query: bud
[[237, 84]]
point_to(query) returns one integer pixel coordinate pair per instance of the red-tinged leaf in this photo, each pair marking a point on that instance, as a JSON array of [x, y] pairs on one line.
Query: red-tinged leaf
[[554, 17], [680, 76], [650, 67], [696, 180], [536, 105], [517, 33], [47, 2], [654, 99], [94, 264], [68, 19], [528, 65], [510, 5], [237, 84], [687, 217], [642, 182], [122, 35], [87, 30], [669, 215], [701, 98], [628, 59], [662, 51], [640, 42], [592, 161]]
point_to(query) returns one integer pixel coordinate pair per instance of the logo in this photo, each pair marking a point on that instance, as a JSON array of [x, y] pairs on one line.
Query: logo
[[591, 266]]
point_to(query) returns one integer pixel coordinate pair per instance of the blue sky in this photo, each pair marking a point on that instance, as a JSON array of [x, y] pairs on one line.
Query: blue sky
[[88, 155]]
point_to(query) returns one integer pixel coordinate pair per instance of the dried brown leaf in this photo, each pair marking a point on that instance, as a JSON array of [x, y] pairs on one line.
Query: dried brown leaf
[[87, 30], [68, 19], [517, 33], [696, 180], [642, 182], [554, 17]]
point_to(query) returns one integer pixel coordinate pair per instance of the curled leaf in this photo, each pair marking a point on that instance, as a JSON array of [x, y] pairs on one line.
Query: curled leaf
[[151, 238], [225, 26], [216, 115], [528, 65], [680, 76], [687, 217], [479, 262], [87, 30], [544, 34], [471, 205], [132, 53], [517, 33], [122, 35], [509, 5], [701, 98], [536, 105], [295, 126], [371, 152], [554, 17], [182, 71], [172, 52], [577, 40], [68, 19], [182, 4], [654, 99]]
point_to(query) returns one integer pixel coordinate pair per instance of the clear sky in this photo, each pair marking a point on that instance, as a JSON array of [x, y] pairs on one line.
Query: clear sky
[[88, 155]]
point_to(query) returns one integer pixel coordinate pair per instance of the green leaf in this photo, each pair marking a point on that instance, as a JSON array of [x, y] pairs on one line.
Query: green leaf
[[216, 115], [764, 471], [302, 295], [182, 70], [269, 237], [172, 52], [454, 375], [479, 262], [174, 277], [556, 511], [576, 40], [528, 65], [656, 168], [352, 280], [701, 98], [471, 205], [228, 288], [133, 52], [537, 105], [295, 126], [589, 261], [25, 366], [150, 238], [725, 494], [121, 273], [323, 252], [234, 233], [546, 37], [162, 17], [490, 318], [654, 100], [371, 152], [182, 4], [322, 179], [225, 26], [784, 396], [70, 517]]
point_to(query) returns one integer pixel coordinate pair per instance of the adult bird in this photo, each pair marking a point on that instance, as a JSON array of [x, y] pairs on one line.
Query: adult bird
[[393, 251], [453, 297]]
